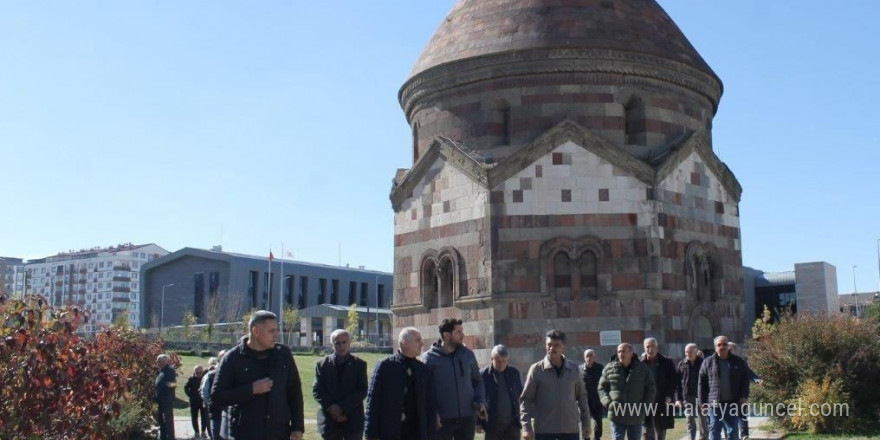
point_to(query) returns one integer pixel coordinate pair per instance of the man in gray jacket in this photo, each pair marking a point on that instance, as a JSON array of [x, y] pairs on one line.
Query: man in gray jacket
[[554, 396], [457, 382]]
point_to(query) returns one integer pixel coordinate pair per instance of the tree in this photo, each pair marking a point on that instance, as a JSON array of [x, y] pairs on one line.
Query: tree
[[121, 320], [351, 322], [872, 311], [188, 321], [290, 318], [213, 310], [808, 359]]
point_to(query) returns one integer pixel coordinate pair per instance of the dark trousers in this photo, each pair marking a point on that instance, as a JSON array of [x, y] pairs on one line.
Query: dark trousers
[[341, 431], [456, 429], [557, 436], [505, 431], [596, 415], [196, 411], [165, 420], [651, 431], [216, 422]]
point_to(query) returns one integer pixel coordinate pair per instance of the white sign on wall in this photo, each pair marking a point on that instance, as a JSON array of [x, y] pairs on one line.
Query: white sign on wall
[[610, 337]]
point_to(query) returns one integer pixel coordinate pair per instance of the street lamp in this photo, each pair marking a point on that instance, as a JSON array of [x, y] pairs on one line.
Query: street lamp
[[855, 291], [162, 311]]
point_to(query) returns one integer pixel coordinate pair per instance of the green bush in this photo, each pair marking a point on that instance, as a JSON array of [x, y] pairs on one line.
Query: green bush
[[821, 359]]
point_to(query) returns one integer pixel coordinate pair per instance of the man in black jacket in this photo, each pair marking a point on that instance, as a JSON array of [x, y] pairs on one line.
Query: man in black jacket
[[259, 381], [723, 387], [340, 387], [686, 393], [398, 399], [196, 405], [503, 386], [591, 371], [665, 383]]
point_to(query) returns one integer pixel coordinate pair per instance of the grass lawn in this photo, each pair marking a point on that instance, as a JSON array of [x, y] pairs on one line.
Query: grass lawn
[[306, 366], [806, 436]]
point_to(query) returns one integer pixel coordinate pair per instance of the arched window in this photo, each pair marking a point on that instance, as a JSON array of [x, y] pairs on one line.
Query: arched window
[[588, 275], [415, 140], [562, 276], [635, 123], [446, 283], [429, 284], [505, 121]]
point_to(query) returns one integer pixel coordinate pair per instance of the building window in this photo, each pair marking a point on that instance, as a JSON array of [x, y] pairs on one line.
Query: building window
[[267, 289], [289, 284], [588, 275], [447, 278], [415, 140], [334, 292], [303, 292], [635, 123], [213, 283], [253, 280], [381, 296], [199, 294], [365, 290], [322, 290], [352, 292]]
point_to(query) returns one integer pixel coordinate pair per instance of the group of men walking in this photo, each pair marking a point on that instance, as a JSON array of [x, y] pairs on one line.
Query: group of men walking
[[442, 394]]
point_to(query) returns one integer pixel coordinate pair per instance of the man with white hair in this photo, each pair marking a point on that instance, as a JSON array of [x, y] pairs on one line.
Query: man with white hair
[[590, 372], [398, 398], [166, 381], [665, 380], [339, 388], [686, 394], [503, 387]]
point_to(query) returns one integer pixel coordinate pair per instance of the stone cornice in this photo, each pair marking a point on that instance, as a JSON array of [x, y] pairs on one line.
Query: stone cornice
[[564, 132], [700, 143], [448, 150], [543, 61]]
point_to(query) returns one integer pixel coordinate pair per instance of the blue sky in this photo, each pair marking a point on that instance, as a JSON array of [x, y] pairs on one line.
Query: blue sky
[[278, 122]]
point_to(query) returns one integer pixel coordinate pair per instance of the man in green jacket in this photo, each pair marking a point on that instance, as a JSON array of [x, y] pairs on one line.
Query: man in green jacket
[[627, 389]]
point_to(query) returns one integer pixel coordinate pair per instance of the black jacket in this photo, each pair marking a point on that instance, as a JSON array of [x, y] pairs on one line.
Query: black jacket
[[348, 393], [591, 377], [709, 388], [270, 416], [688, 378], [192, 391], [666, 384], [514, 390], [385, 400]]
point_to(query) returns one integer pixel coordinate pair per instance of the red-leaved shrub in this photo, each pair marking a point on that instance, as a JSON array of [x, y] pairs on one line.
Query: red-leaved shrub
[[58, 385]]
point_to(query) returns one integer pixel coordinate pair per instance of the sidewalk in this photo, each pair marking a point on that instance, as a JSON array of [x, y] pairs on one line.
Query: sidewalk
[[759, 429]]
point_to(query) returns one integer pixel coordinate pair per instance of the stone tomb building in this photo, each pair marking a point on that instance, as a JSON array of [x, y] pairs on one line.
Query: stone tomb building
[[563, 177]]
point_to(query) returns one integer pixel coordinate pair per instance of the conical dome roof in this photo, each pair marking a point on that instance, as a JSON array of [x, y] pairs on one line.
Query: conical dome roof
[[477, 28]]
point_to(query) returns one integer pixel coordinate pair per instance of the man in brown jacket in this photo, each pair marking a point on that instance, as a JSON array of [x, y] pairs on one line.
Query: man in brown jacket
[[552, 387]]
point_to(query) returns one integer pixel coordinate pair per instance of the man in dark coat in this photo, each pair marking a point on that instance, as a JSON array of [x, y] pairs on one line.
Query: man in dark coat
[[196, 404], [340, 388], [665, 382], [686, 393], [503, 387], [398, 398], [166, 381], [259, 381], [591, 372], [723, 388]]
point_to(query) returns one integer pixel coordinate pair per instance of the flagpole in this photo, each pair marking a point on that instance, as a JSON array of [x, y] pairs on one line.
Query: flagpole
[[269, 279], [281, 297]]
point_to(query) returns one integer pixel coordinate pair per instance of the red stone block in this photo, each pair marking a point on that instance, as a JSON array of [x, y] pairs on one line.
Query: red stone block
[[632, 336], [626, 281]]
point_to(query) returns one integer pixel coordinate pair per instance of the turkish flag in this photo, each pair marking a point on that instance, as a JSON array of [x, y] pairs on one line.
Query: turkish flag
[[271, 256]]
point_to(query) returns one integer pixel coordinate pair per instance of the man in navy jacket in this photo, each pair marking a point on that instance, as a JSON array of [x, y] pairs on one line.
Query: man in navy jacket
[[340, 387], [399, 396], [723, 388], [503, 387]]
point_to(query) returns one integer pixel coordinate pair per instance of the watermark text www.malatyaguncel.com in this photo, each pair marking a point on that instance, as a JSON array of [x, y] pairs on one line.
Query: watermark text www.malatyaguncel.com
[[790, 409]]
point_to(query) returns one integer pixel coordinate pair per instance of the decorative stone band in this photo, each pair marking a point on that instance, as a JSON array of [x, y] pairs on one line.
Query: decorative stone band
[[546, 61]]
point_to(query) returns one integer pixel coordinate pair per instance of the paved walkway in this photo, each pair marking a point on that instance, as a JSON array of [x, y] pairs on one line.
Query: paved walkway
[[183, 429], [759, 429]]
